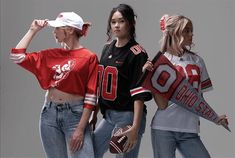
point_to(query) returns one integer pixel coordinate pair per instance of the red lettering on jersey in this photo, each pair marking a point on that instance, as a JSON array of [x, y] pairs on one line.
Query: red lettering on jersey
[[181, 70], [109, 83], [192, 73]]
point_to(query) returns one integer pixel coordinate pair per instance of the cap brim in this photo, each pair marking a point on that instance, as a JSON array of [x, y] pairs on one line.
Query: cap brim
[[54, 23]]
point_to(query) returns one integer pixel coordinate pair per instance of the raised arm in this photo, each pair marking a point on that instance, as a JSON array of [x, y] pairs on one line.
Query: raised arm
[[36, 26], [18, 54]]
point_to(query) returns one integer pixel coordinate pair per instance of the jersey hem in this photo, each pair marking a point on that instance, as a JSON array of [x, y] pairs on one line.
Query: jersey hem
[[175, 129]]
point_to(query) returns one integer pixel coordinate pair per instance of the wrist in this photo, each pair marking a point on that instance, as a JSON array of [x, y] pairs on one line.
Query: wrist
[[32, 31], [135, 127], [81, 128]]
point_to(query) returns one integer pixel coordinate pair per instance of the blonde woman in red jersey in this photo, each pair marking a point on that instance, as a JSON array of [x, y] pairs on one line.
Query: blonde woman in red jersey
[[69, 75]]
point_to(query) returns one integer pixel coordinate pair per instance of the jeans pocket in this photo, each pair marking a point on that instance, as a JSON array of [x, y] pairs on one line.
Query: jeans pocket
[[76, 109]]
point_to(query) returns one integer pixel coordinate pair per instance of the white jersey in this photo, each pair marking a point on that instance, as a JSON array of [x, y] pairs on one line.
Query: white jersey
[[176, 118]]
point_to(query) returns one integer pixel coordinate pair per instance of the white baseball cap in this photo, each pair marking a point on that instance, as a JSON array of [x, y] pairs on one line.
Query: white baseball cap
[[67, 19]]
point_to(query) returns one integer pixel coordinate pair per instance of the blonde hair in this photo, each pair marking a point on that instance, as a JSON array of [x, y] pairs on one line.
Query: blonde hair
[[172, 28]]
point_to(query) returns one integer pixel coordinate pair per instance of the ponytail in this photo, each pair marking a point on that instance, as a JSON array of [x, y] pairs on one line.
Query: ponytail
[[85, 28]]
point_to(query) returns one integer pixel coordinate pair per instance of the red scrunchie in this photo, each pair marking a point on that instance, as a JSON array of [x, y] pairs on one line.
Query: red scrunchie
[[85, 28], [163, 22]]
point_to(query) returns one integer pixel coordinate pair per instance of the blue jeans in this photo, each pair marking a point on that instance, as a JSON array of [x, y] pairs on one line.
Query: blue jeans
[[57, 124], [165, 143], [113, 120]]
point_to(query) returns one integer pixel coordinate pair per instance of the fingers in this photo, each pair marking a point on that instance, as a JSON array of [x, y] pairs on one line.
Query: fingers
[[129, 145], [223, 120], [131, 141], [148, 66], [76, 140], [41, 23], [38, 24], [75, 145]]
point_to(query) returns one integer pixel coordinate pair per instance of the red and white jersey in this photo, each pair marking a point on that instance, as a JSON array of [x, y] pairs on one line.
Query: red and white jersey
[[176, 118], [71, 71]]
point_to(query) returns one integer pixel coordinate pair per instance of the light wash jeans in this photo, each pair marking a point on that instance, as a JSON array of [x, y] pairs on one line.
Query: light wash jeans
[[57, 124], [165, 143], [115, 119]]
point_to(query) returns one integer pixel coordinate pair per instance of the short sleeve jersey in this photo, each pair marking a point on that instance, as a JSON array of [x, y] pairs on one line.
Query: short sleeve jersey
[[71, 71], [176, 118], [120, 69]]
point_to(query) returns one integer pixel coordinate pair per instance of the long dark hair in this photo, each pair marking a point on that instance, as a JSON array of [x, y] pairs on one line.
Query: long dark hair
[[128, 14]]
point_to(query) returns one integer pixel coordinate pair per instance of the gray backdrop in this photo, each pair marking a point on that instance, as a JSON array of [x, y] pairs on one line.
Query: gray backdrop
[[22, 98]]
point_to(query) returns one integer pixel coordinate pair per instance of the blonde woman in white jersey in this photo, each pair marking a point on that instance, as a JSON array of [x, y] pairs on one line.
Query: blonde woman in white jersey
[[173, 127]]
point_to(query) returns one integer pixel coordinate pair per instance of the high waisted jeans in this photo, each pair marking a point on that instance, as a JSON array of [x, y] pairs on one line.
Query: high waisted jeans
[[165, 143], [113, 120], [57, 124]]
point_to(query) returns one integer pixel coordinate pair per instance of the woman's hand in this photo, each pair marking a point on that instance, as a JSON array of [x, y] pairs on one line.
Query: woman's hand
[[147, 66], [223, 120], [76, 140], [38, 25], [132, 138], [34, 28]]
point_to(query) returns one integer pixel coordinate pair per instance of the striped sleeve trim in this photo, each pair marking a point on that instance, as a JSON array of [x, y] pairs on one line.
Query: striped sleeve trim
[[138, 90], [90, 99], [17, 58], [206, 85], [15, 50]]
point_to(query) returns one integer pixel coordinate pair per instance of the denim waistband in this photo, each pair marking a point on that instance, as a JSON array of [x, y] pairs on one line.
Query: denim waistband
[[64, 105]]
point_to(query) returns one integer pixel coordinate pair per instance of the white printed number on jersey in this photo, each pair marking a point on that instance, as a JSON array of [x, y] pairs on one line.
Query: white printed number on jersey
[[192, 72], [61, 70], [108, 85]]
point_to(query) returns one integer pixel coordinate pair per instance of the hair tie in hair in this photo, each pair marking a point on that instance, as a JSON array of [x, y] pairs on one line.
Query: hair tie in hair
[[85, 27], [163, 22]]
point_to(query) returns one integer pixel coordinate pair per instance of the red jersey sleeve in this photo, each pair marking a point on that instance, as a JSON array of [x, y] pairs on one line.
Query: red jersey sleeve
[[36, 63], [31, 61], [91, 86]]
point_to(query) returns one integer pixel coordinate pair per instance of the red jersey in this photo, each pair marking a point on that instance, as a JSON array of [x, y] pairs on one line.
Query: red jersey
[[71, 71]]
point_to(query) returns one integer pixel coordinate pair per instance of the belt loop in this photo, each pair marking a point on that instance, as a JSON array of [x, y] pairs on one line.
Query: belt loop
[[50, 104]]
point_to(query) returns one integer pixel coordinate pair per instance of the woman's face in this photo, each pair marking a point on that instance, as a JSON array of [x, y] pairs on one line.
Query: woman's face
[[60, 34], [188, 34], [120, 27]]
